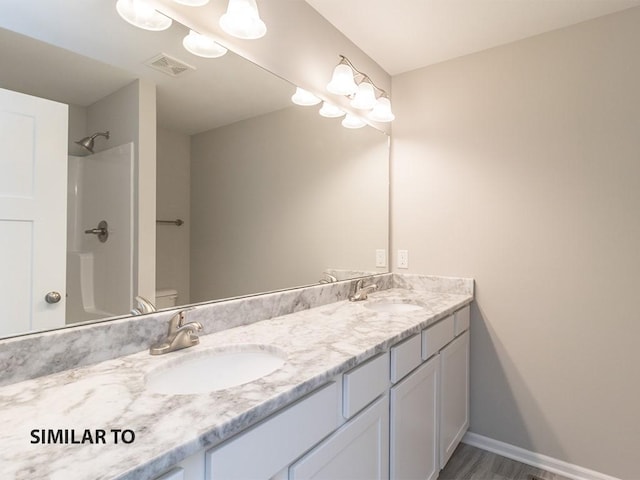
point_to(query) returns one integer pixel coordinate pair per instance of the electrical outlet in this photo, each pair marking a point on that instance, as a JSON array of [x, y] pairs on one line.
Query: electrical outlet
[[381, 257], [403, 258]]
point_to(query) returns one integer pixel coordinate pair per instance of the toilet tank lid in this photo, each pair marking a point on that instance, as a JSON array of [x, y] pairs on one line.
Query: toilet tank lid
[[167, 292]]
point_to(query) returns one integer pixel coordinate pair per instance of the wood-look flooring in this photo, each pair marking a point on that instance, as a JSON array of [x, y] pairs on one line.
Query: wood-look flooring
[[471, 463]]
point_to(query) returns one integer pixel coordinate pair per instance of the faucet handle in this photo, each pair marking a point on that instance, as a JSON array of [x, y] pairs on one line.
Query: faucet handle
[[177, 321]]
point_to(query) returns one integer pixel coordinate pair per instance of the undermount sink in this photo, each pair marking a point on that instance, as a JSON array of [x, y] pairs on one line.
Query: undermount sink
[[394, 307], [214, 369]]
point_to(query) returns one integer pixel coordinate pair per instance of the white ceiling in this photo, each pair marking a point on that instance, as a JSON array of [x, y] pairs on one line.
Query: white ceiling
[[77, 52], [402, 35]]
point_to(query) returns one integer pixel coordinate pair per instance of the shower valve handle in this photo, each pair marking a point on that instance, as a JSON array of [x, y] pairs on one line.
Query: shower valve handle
[[102, 231]]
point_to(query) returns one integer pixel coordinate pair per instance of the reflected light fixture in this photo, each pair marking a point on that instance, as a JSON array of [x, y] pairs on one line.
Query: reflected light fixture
[[382, 111], [330, 111], [202, 45], [142, 15], [242, 20], [364, 94], [353, 121], [304, 98], [192, 3]]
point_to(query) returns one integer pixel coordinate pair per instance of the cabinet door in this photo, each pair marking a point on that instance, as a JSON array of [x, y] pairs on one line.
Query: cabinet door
[[414, 425], [454, 395], [359, 450]]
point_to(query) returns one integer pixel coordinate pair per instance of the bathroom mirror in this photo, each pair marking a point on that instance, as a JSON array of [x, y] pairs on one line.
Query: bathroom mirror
[[235, 189]]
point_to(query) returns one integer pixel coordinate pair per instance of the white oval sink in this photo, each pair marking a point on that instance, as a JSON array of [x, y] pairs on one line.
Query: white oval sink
[[214, 369], [393, 307]]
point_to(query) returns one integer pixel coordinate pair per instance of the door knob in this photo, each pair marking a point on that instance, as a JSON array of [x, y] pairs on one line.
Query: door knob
[[52, 297]]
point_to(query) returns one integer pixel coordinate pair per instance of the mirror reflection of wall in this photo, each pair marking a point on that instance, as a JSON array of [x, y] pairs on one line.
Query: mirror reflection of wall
[[307, 191]]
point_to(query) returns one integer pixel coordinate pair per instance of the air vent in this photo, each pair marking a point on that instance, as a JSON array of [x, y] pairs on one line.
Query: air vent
[[167, 64]]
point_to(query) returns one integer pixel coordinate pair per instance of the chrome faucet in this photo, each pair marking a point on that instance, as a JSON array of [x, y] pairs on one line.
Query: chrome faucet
[[143, 306], [181, 335], [361, 292], [328, 278]]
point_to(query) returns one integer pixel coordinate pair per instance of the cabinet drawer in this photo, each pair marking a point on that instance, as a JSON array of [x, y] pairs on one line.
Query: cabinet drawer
[[363, 384], [405, 357], [437, 336], [461, 318], [357, 450], [267, 448]]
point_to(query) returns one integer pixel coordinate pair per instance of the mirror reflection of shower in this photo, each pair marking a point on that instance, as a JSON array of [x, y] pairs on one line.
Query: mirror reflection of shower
[[100, 272], [88, 142]]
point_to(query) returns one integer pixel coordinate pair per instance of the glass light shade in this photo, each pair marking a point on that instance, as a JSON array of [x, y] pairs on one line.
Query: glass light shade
[[351, 121], [330, 111], [382, 111], [142, 15], [304, 98], [192, 3], [242, 20], [202, 45], [342, 82], [365, 97]]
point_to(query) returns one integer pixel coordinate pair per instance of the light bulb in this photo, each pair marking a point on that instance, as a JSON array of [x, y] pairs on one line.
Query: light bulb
[[365, 96], [342, 82], [192, 3], [382, 111], [304, 98], [142, 15], [242, 20], [202, 45], [351, 121], [330, 111]]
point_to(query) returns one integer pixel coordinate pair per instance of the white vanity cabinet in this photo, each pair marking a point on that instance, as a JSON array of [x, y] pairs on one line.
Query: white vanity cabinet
[[397, 416], [414, 424], [359, 450], [264, 450], [454, 395]]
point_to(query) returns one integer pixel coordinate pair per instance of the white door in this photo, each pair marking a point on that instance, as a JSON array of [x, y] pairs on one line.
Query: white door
[[33, 212]]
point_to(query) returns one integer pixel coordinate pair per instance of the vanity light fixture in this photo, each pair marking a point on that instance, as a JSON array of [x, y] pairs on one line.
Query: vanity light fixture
[[202, 45], [330, 111], [242, 20], [304, 98], [365, 97], [364, 94], [353, 121], [192, 3], [342, 82], [142, 15]]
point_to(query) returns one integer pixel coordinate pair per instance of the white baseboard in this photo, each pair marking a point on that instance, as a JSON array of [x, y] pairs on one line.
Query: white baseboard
[[537, 460]]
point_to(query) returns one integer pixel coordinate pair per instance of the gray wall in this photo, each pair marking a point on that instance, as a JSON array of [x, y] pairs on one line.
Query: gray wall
[[520, 166], [279, 198], [173, 180]]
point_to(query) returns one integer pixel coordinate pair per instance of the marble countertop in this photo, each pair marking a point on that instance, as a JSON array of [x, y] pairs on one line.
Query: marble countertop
[[320, 343]]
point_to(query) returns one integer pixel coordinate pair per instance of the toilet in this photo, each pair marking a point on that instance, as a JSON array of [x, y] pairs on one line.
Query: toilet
[[167, 298]]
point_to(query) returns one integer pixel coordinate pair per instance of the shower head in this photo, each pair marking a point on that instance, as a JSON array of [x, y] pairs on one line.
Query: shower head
[[87, 142]]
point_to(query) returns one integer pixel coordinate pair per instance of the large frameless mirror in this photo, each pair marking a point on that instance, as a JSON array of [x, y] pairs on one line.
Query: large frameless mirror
[[185, 179]]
